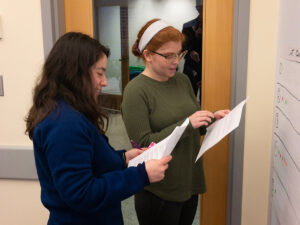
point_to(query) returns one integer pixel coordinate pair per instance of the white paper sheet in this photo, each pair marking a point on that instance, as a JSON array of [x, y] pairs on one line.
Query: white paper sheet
[[221, 128], [162, 148]]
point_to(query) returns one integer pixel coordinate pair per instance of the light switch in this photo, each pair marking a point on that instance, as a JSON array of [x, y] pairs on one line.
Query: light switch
[[1, 86]]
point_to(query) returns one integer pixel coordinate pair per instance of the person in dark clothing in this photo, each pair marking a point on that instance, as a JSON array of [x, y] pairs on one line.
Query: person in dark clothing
[[83, 179], [192, 31]]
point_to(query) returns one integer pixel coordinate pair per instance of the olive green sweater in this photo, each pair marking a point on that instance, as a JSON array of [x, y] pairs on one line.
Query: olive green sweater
[[151, 110]]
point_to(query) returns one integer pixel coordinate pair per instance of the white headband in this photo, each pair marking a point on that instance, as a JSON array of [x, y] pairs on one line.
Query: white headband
[[149, 33]]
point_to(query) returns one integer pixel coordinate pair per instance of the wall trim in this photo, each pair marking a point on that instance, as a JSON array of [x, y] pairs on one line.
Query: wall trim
[[238, 93], [53, 22], [17, 162]]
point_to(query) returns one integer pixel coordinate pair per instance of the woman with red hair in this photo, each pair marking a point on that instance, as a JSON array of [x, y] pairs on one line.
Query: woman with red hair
[[154, 103]]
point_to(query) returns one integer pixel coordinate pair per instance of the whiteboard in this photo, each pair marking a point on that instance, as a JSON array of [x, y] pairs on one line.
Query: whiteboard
[[285, 171]]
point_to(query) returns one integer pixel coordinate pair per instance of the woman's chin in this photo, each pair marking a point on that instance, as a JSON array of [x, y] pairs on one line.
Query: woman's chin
[[172, 73], [97, 94]]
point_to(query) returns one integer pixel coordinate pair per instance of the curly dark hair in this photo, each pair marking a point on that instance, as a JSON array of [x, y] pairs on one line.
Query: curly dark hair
[[66, 75]]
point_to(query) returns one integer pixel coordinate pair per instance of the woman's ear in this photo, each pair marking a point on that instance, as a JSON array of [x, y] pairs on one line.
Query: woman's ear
[[147, 55]]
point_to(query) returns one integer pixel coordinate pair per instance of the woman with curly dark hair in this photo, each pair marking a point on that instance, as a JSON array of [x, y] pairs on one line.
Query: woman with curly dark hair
[[83, 179]]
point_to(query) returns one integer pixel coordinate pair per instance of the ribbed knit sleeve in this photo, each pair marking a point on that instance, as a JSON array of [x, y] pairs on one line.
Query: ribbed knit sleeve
[[77, 166]]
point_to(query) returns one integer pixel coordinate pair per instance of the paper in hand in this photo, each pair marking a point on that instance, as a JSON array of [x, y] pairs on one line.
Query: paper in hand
[[219, 129], [162, 148]]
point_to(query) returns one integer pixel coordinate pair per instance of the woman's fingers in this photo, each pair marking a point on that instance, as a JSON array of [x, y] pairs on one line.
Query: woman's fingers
[[200, 118]]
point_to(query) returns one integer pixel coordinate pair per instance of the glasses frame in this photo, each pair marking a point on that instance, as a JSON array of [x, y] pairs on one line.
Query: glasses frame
[[178, 56]]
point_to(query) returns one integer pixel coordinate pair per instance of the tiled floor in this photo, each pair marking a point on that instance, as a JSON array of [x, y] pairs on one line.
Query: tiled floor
[[118, 138]]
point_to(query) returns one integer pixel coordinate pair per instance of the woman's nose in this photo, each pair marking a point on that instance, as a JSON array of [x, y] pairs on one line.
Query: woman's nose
[[176, 61], [104, 81]]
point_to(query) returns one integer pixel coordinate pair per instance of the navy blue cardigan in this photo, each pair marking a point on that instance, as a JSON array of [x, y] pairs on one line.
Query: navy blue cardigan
[[82, 178]]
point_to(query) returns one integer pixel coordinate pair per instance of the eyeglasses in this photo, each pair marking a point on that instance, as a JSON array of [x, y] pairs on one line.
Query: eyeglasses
[[172, 56]]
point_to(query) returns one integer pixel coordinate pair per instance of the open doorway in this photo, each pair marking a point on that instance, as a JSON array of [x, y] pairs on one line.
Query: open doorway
[[122, 20]]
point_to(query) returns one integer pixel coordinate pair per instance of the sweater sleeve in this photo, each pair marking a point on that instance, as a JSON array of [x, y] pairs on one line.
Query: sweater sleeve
[[69, 154], [135, 111]]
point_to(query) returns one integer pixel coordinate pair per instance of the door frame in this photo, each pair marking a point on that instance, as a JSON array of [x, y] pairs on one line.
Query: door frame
[[53, 22], [210, 205], [113, 102], [238, 93]]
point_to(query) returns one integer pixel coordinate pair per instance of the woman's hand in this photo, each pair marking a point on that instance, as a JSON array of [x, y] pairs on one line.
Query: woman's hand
[[221, 113], [200, 118], [156, 168], [130, 154]]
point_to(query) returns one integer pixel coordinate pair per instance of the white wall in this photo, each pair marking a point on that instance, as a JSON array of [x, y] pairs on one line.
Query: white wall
[[21, 57], [20, 203], [258, 120]]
